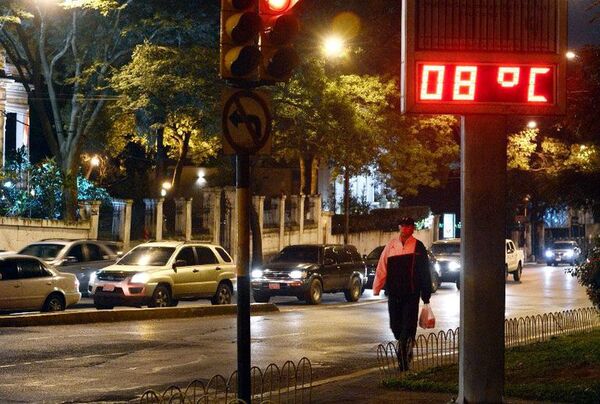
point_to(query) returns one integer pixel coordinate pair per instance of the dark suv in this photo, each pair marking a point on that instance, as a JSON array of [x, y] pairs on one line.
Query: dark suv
[[307, 271]]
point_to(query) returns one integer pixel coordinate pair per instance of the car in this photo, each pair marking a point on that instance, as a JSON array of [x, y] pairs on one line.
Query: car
[[27, 283], [513, 260], [160, 273], [372, 259], [79, 257], [309, 270], [447, 260], [563, 251]]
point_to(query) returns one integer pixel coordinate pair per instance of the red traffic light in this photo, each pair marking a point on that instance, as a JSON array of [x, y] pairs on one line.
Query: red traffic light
[[276, 7]]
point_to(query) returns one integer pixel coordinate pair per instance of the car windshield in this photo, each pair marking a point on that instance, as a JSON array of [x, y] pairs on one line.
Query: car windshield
[[563, 245], [46, 252], [298, 254], [445, 248], [152, 256], [375, 254]]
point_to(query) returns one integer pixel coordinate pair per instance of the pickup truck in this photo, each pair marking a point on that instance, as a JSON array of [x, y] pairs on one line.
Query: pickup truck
[[513, 260]]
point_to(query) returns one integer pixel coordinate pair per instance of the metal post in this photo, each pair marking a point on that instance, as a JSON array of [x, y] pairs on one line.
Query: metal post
[[482, 292], [242, 171]]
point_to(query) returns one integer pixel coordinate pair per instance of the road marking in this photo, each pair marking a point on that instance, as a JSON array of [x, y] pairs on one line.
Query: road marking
[[14, 365]]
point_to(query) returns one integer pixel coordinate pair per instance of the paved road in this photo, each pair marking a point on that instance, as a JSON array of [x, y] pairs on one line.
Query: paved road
[[118, 361]]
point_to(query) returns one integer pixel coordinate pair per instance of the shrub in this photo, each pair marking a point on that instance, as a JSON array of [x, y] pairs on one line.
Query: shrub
[[588, 273]]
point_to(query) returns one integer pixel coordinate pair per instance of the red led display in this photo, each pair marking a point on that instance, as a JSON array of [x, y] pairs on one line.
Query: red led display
[[486, 83]]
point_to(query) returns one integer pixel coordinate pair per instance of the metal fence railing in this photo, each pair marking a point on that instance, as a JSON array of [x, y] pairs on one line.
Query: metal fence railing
[[290, 383], [439, 349]]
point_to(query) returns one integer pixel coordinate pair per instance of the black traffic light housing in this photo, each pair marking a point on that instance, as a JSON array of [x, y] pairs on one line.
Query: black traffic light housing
[[240, 28]]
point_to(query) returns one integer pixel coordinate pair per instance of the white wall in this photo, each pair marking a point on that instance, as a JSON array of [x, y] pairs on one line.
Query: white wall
[[15, 233]]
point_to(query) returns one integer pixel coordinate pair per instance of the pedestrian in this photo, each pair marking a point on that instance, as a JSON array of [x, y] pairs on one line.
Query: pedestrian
[[403, 270]]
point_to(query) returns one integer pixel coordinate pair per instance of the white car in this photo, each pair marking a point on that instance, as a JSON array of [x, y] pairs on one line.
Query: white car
[[26, 283], [159, 274]]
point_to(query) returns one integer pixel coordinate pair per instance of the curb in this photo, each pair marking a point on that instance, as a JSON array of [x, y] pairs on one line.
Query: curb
[[111, 316]]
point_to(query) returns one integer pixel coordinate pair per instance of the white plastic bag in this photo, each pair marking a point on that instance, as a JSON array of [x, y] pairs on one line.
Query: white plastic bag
[[426, 318]]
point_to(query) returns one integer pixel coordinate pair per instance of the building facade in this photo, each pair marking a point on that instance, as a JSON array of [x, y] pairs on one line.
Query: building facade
[[14, 111]]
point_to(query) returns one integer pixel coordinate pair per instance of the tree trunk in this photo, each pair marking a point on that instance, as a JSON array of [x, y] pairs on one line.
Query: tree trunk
[[302, 174], [69, 190], [185, 146], [257, 251], [346, 205], [160, 154], [314, 175]]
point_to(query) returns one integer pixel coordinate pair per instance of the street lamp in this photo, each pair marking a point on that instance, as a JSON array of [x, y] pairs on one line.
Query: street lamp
[[94, 162], [532, 124], [334, 46]]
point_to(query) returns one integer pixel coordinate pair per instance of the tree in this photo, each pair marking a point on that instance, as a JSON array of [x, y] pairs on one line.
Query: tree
[[176, 90], [63, 53]]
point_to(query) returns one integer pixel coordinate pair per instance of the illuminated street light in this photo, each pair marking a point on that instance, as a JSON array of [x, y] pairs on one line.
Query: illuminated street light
[[571, 55], [163, 192], [532, 124], [334, 46], [166, 185], [93, 162]]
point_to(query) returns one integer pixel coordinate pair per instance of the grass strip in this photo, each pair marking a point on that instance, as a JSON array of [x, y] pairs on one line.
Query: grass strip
[[564, 369]]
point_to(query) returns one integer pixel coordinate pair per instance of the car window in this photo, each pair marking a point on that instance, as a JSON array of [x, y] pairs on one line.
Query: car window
[[223, 254], [354, 255], [563, 246], [44, 251], [95, 252], [445, 248], [186, 254], [31, 268], [330, 254], [344, 255], [77, 252], [509, 248], [9, 270], [375, 254], [147, 255], [305, 253], [206, 256]]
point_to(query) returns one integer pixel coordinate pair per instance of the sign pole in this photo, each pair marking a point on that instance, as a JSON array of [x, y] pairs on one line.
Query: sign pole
[[242, 174], [482, 292]]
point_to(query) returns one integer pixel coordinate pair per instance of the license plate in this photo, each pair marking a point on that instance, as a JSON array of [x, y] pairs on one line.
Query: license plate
[[558, 258], [108, 288], [274, 286]]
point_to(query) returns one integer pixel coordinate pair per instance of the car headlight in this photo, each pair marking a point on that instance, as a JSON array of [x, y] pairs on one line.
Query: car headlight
[[437, 267], [453, 266], [569, 254], [298, 274], [256, 273], [549, 253], [92, 278], [141, 277]]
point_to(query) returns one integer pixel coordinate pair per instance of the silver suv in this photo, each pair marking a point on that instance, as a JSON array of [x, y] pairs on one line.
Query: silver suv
[[159, 274]]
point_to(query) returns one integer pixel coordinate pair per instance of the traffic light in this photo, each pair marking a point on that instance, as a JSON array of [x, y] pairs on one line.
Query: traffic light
[[240, 28], [280, 28]]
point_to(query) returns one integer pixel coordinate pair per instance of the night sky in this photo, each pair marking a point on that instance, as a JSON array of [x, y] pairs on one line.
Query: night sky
[[581, 30]]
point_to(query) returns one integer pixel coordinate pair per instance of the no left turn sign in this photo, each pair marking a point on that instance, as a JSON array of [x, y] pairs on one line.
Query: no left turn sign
[[246, 122]]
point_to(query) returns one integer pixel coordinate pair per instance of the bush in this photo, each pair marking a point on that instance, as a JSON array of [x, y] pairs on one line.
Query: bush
[[588, 274], [379, 219]]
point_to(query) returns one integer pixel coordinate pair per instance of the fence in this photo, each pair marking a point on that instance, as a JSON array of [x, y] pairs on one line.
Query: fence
[[439, 349], [289, 384]]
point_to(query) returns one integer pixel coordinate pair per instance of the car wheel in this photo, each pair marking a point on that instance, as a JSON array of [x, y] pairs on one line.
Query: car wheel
[[161, 297], [505, 272], [261, 297], [174, 302], [223, 294], [435, 282], [517, 273], [54, 302], [314, 292], [353, 293]]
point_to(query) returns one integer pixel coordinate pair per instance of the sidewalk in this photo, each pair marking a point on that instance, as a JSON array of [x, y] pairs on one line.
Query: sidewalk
[[367, 388]]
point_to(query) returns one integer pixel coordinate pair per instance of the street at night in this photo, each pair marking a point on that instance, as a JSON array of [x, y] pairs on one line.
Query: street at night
[[119, 361]]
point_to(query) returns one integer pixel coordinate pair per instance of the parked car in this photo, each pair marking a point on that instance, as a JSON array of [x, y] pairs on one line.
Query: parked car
[[564, 251], [514, 260], [447, 256], [309, 270], [159, 274], [78, 257], [27, 283], [372, 259]]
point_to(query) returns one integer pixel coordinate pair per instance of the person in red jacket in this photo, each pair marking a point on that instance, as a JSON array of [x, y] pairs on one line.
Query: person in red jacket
[[403, 270]]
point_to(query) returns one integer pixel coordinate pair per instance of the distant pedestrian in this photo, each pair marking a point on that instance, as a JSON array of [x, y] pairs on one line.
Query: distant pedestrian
[[403, 269]]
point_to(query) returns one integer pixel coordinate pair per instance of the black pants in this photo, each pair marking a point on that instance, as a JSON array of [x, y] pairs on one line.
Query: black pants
[[404, 314]]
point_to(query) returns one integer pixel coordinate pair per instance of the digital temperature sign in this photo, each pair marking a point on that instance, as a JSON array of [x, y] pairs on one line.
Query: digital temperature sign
[[486, 83]]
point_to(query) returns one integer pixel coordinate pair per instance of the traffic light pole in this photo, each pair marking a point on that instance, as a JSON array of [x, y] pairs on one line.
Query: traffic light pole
[[482, 292], [242, 174]]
